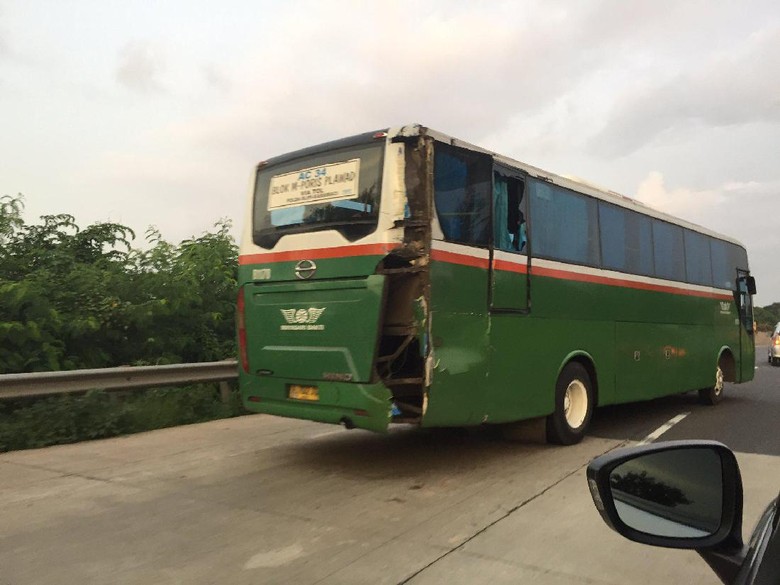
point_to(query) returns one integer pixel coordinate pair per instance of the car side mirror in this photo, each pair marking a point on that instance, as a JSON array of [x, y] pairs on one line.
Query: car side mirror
[[678, 494]]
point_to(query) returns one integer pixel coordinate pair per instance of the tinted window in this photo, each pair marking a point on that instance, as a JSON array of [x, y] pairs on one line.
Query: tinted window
[[698, 267], [668, 250], [726, 258], [626, 240], [564, 225], [462, 185]]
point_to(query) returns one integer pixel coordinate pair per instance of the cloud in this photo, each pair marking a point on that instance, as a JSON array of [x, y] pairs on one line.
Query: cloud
[[508, 73], [215, 77], [732, 88], [461, 71], [183, 191], [5, 46], [681, 201], [140, 66]]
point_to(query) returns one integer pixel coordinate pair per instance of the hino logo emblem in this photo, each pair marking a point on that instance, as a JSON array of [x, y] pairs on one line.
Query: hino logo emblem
[[305, 269]]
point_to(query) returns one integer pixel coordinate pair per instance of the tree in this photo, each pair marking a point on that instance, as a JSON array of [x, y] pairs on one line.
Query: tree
[[80, 298], [767, 317]]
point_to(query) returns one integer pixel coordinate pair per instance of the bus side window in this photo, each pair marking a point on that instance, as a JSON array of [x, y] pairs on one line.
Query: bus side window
[[626, 240], [509, 227], [726, 259], [668, 251], [461, 182], [565, 224]]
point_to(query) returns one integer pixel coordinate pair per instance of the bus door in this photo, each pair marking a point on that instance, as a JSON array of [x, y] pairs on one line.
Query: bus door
[[511, 396], [746, 287], [509, 260]]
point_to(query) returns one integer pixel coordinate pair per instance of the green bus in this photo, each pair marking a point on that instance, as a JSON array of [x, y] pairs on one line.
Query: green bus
[[405, 276]]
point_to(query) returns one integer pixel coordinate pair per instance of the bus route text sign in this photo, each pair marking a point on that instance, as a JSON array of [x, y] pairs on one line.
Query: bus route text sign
[[331, 182]]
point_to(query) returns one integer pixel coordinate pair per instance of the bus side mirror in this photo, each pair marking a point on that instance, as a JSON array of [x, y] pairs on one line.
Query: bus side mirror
[[751, 284]]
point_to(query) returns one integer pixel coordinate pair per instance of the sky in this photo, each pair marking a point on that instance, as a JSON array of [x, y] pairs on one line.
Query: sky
[[154, 113]]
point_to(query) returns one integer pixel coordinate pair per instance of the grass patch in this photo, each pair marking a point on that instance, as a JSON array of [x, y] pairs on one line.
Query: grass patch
[[31, 423]]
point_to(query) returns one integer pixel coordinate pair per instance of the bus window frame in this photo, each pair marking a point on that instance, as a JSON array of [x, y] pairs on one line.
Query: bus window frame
[[521, 176]]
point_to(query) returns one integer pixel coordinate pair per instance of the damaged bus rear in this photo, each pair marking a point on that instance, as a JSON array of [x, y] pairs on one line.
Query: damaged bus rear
[[332, 301]]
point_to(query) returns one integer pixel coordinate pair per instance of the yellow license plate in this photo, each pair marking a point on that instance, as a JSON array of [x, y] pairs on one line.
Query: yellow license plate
[[311, 393]]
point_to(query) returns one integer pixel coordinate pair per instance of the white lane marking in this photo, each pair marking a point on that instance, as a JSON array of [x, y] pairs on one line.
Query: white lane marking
[[327, 434], [663, 428]]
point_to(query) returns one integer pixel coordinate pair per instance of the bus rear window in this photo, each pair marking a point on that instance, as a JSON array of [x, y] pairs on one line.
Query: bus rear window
[[338, 190]]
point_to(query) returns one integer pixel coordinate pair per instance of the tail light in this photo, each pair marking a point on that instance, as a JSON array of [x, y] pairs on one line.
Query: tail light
[[241, 323], [777, 340]]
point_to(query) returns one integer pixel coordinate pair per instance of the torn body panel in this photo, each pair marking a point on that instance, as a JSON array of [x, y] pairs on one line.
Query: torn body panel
[[404, 349]]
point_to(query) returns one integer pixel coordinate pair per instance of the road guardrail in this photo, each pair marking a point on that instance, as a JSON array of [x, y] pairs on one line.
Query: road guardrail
[[122, 378]]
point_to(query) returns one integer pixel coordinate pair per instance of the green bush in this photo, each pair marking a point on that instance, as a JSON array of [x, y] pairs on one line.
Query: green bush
[[73, 297], [32, 423], [767, 317]]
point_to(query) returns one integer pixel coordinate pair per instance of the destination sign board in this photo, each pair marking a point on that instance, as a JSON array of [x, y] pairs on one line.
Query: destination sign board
[[331, 182]]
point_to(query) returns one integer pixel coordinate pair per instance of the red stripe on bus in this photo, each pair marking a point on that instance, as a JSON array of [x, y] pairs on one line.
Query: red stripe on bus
[[462, 259], [504, 265], [507, 266], [592, 278], [317, 253], [466, 260]]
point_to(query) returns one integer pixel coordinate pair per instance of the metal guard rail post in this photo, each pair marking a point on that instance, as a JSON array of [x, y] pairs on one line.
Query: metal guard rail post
[[122, 378]]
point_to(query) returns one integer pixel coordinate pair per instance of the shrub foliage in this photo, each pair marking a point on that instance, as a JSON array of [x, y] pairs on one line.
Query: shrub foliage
[[74, 297], [33, 423], [767, 317]]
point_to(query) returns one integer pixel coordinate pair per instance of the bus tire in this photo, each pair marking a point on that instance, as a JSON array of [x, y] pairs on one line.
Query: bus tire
[[714, 394], [573, 406]]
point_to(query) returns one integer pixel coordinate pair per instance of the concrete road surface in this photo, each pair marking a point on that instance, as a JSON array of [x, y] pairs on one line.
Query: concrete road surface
[[264, 500], [267, 500]]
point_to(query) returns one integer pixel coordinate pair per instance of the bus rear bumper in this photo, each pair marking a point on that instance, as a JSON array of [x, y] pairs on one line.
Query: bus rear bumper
[[364, 406]]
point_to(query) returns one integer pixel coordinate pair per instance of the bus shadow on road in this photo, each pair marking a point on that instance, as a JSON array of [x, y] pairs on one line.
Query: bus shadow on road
[[406, 452], [411, 451]]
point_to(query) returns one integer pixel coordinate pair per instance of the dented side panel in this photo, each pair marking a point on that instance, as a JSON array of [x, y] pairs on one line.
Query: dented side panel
[[460, 335]]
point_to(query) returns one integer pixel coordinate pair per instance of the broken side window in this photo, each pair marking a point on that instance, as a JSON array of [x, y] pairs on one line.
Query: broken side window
[[509, 229]]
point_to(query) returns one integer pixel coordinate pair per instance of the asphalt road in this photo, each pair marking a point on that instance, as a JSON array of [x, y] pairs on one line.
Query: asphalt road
[[260, 500], [748, 419]]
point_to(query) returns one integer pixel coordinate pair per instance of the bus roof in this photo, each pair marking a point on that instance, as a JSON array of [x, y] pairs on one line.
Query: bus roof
[[569, 183]]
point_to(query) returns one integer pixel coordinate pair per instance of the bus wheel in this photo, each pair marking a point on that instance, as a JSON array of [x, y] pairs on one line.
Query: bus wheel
[[573, 406], [714, 394]]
